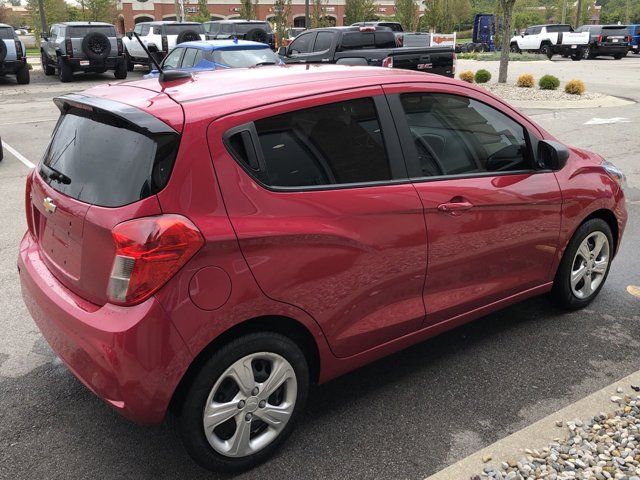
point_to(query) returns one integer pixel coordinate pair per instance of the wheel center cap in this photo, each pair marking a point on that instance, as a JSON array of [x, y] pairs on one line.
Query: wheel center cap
[[251, 404]]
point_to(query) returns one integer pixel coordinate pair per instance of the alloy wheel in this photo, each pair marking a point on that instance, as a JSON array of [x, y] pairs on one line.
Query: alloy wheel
[[590, 265], [250, 404]]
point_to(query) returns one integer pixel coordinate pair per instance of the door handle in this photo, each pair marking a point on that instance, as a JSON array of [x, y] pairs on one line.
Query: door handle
[[455, 207]]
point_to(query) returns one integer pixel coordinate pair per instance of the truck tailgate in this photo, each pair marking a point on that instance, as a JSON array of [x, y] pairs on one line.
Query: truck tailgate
[[437, 60]]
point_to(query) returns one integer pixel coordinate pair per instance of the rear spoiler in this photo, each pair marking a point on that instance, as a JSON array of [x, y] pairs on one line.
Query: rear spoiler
[[142, 121]]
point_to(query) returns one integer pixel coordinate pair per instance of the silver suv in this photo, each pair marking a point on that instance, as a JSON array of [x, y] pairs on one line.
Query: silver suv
[[82, 47], [13, 59]]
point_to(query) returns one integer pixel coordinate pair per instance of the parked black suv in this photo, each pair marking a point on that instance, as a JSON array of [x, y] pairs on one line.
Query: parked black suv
[[82, 47], [606, 40], [253, 30]]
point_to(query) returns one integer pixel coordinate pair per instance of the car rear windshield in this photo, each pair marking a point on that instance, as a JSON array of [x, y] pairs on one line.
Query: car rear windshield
[[245, 27], [396, 27], [98, 158], [6, 33], [558, 28], [617, 30], [356, 40], [178, 29], [245, 58], [107, 30]]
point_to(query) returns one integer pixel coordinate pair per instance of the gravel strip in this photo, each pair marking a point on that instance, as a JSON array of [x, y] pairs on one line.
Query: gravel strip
[[605, 447], [511, 92]]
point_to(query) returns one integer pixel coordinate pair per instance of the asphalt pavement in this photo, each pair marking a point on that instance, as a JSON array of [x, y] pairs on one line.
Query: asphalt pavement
[[406, 416]]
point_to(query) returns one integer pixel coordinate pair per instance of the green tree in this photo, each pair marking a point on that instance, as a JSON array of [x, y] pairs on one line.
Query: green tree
[[407, 14], [203, 14], [446, 16], [318, 15], [282, 12], [360, 11], [100, 10], [54, 11], [248, 9]]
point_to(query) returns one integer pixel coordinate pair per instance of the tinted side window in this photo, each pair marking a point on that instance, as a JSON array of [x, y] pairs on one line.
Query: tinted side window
[[455, 135], [302, 43], [227, 28], [331, 144], [323, 41], [189, 57]]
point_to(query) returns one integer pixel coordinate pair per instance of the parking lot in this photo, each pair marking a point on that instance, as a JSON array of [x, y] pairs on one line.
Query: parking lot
[[406, 416]]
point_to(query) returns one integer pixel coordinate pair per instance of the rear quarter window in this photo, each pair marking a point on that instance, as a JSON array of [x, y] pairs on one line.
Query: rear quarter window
[[100, 159]]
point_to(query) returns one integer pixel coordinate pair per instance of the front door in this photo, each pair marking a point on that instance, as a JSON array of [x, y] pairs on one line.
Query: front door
[[492, 220], [318, 196]]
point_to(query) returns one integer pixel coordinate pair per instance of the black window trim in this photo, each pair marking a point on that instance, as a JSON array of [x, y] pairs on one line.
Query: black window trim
[[392, 146], [411, 156]]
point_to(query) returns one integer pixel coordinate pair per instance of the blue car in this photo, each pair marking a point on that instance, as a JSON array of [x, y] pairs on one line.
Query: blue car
[[634, 42], [215, 54]]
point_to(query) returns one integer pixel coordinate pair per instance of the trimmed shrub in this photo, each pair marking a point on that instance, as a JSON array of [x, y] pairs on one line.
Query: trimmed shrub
[[467, 76], [525, 80], [548, 82], [575, 87], [482, 76]]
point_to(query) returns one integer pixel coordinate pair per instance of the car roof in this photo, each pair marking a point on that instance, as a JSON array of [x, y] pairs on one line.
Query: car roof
[[230, 90], [212, 45], [167, 22], [5, 25], [551, 25], [236, 20], [85, 24]]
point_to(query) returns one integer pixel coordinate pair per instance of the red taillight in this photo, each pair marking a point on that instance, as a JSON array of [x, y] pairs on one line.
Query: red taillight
[[599, 38], [119, 42], [367, 29], [69, 47], [388, 62], [165, 44], [149, 251], [27, 204], [628, 38]]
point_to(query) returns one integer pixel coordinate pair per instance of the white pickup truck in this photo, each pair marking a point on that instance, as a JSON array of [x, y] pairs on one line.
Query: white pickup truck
[[551, 40]]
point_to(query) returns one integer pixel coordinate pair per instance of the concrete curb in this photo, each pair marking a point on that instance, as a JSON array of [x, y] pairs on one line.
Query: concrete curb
[[601, 102], [539, 434]]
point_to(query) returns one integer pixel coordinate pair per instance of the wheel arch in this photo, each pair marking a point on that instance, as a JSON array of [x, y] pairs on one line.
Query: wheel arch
[[610, 218], [286, 326]]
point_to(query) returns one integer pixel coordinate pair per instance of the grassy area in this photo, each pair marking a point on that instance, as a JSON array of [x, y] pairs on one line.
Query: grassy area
[[33, 52], [495, 56], [463, 40]]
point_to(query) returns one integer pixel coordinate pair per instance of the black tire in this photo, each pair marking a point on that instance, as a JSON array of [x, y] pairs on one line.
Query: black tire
[[121, 70], [586, 53], [46, 68], [130, 64], [22, 75], [189, 411], [64, 72], [257, 35], [3, 50], [565, 55], [514, 48], [96, 46], [546, 50], [577, 56], [188, 36], [618, 56], [561, 292], [471, 47]]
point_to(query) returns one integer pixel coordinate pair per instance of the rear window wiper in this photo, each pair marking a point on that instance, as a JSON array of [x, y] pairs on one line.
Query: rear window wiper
[[56, 175]]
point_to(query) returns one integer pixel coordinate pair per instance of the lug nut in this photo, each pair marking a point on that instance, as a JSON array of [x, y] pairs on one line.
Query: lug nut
[[255, 391], [248, 417], [262, 403], [241, 404]]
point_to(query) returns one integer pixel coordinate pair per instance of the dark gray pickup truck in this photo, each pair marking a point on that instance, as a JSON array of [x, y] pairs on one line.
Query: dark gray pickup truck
[[366, 45]]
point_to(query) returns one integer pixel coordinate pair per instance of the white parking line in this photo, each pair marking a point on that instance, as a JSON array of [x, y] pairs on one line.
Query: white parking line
[[18, 155], [538, 434]]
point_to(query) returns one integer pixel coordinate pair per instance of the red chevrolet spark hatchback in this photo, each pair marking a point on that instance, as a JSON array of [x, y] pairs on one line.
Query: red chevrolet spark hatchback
[[213, 246]]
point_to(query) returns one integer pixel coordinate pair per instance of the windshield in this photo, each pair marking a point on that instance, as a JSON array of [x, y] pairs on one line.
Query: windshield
[[245, 58], [558, 28], [396, 27], [107, 30], [356, 40], [245, 27], [178, 29]]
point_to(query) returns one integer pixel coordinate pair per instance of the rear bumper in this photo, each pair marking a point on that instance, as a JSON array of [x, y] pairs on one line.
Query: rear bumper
[[12, 66], [131, 357], [603, 49], [86, 65]]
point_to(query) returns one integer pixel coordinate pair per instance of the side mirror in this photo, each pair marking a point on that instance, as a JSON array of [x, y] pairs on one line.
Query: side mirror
[[282, 51], [129, 35], [44, 37], [552, 155]]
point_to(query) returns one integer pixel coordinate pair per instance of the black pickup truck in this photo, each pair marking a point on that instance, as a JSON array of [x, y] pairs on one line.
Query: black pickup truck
[[366, 45]]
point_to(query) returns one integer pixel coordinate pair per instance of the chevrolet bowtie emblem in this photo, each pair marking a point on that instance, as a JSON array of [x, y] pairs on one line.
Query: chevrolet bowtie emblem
[[49, 206]]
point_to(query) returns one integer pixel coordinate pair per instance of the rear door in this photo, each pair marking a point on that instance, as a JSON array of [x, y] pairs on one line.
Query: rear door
[[492, 220], [103, 166], [317, 193]]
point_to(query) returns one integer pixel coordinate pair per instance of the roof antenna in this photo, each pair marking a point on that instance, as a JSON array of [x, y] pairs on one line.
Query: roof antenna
[[164, 76]]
